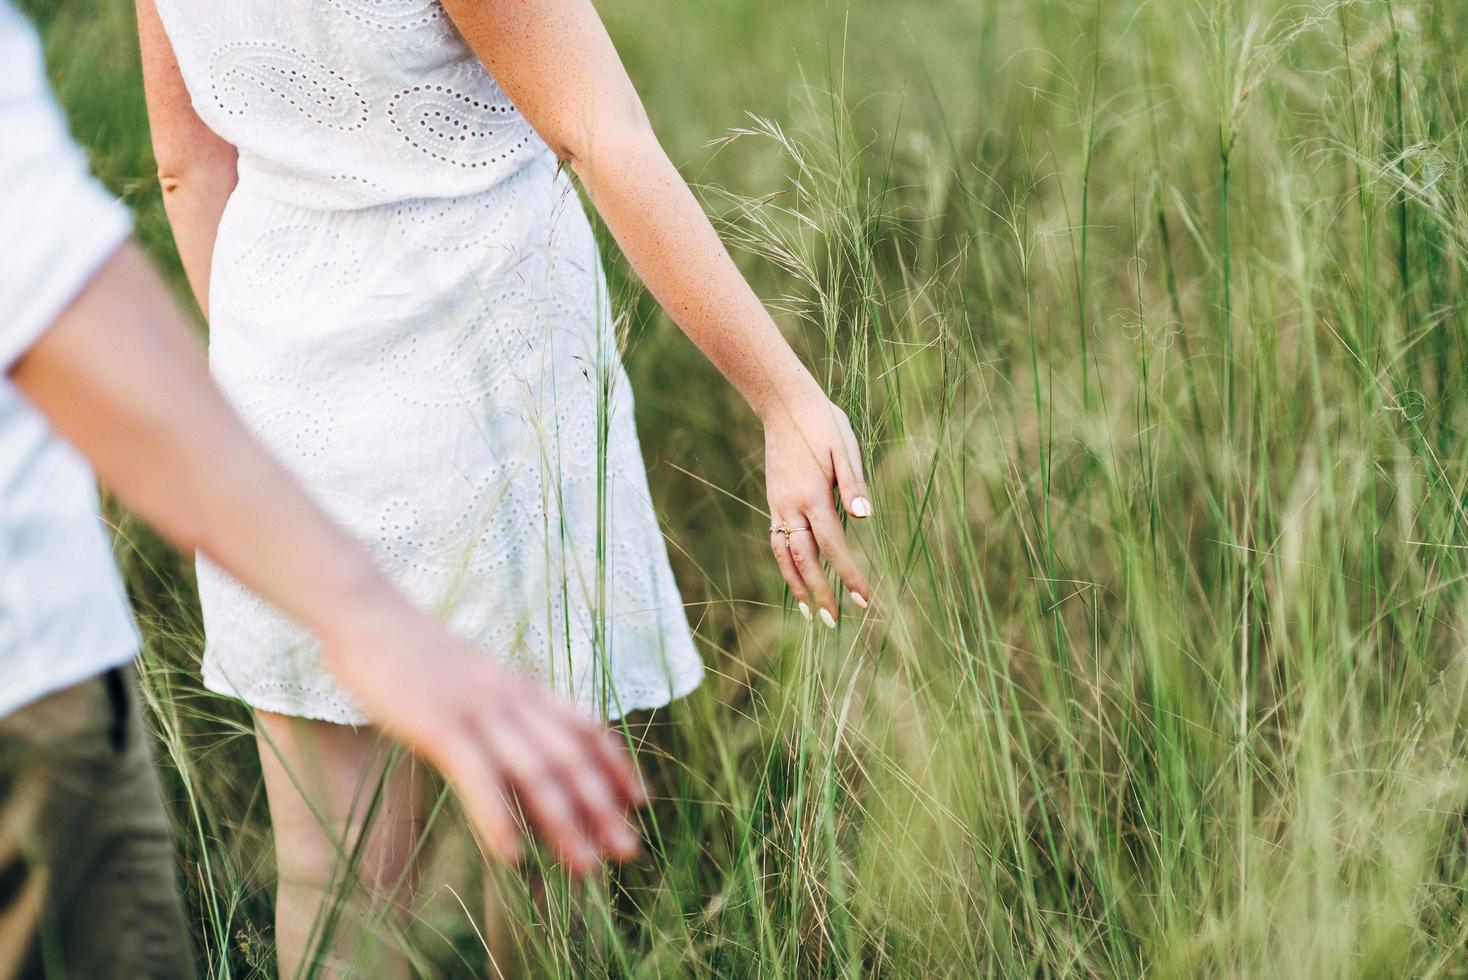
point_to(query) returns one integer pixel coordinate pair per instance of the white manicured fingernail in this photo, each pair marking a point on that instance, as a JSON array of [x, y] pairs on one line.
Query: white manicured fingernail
[[856, 598], [805, 610], [861, 507], [828, 619]]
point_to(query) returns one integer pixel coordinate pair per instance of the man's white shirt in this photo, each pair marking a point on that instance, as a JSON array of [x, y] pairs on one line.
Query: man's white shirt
[[63, 615]]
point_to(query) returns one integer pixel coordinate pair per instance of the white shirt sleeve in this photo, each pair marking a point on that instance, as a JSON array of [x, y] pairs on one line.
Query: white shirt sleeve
[[57, 224]]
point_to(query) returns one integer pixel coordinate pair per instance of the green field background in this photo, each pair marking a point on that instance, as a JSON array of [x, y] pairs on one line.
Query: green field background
[[1150, 318]]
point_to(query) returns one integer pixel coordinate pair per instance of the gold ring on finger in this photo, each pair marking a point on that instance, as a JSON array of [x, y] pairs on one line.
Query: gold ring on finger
[[780, 527]]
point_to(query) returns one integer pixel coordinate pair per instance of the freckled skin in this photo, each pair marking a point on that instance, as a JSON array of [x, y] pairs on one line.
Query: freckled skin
[[554, 60]]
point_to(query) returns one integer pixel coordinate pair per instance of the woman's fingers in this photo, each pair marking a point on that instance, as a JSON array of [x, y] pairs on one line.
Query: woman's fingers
[[847, 464], [832, 541], [806, 557], [780, 545]]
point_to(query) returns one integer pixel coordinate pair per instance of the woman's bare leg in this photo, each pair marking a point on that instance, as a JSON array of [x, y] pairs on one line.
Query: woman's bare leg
[[536, 924], [507, 961], [339, 904]]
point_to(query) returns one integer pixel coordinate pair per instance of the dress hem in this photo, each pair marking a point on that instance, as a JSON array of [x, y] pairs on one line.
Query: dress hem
[[687, 682]]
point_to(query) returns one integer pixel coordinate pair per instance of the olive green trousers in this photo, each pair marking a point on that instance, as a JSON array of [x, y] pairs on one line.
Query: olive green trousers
[[87, 876]]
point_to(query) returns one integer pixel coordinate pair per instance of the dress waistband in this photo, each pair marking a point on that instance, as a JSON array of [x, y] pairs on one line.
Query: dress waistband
[[261, 178]]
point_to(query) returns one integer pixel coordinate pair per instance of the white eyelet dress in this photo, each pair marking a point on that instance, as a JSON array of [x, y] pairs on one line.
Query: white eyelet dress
[[408, 307]]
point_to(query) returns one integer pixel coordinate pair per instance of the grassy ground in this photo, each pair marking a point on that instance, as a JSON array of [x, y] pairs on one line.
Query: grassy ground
[[1148, 314]]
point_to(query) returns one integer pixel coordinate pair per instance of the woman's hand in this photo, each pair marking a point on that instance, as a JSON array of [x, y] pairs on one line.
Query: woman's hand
[[809, 449], [502, 740]]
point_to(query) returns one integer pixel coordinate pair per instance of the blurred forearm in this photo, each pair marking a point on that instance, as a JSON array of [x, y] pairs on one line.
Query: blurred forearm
[[121, 377]]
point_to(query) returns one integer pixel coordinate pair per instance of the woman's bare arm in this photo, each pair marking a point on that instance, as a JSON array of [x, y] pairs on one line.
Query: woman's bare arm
[[196, 168], [555, 61]]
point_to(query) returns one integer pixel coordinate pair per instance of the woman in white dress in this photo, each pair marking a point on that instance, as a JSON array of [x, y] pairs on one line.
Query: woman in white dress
[[406, 303]]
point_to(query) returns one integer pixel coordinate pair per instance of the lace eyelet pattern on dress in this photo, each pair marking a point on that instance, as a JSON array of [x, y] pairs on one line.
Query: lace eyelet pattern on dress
[[246, 71], [407, 306], [458, 128], [391, 16]]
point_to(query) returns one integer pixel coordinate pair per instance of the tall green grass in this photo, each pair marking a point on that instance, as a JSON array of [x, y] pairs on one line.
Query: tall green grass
[[1148, 316]]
